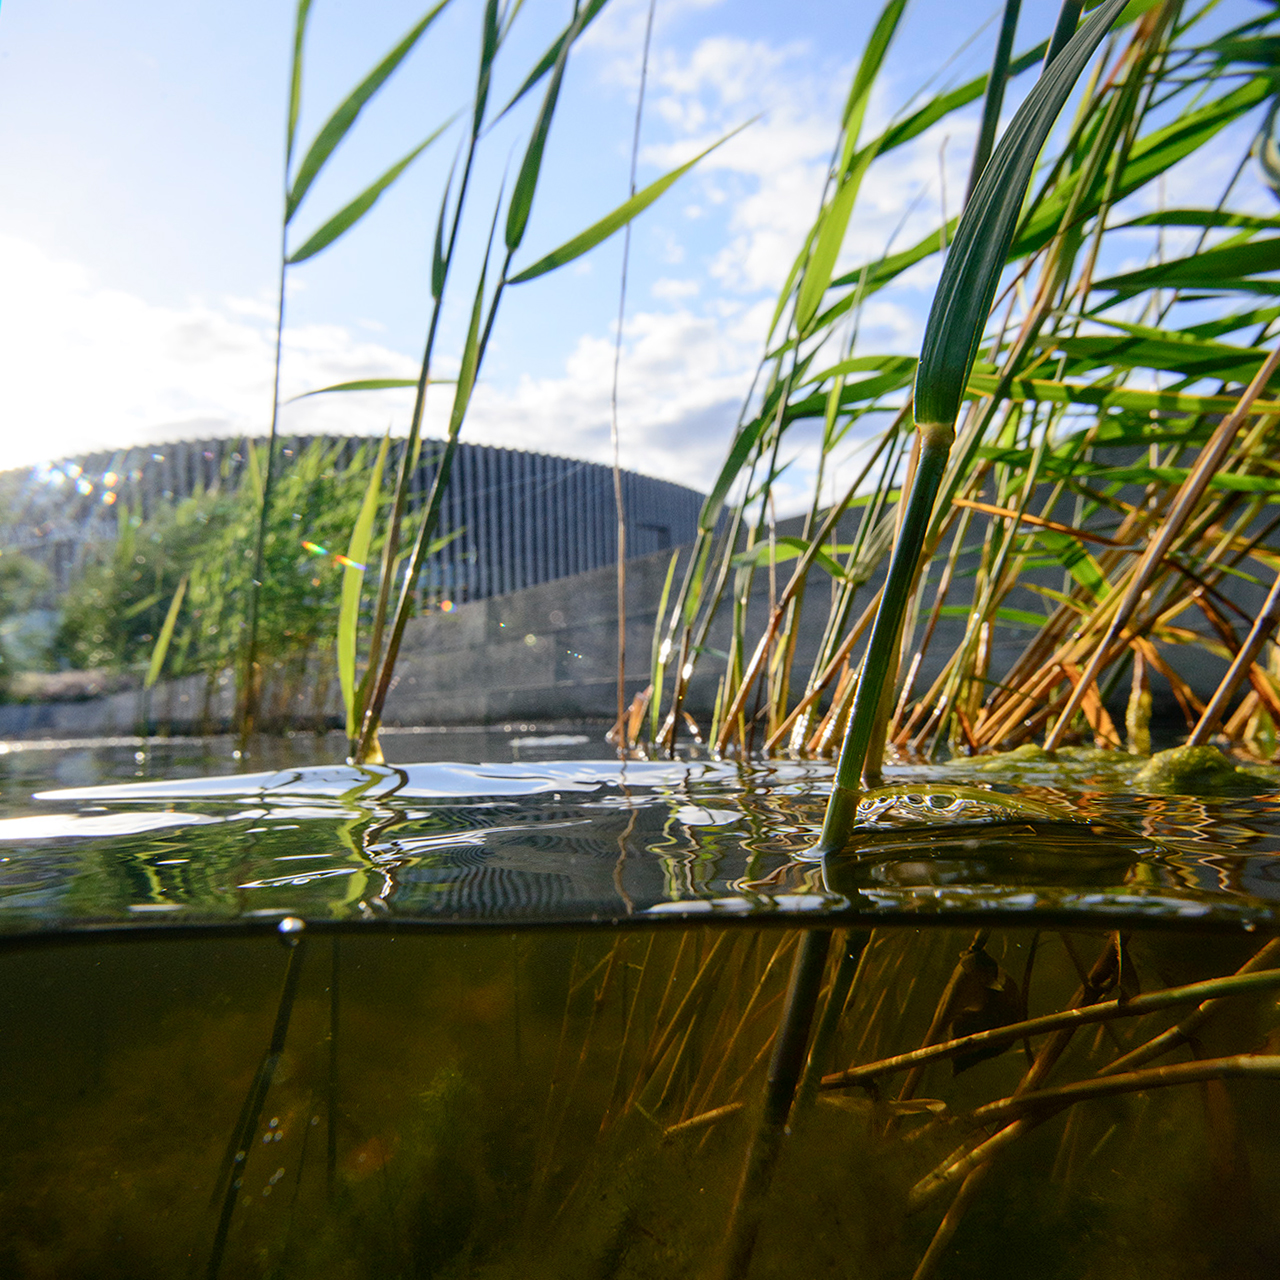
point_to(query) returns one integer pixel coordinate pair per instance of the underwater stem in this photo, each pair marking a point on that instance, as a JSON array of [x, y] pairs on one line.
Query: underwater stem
[[789, 1054], [246, 1126]]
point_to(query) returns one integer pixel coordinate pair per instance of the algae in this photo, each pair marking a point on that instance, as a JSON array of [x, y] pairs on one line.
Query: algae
[[1196, 770], [1019, 757]]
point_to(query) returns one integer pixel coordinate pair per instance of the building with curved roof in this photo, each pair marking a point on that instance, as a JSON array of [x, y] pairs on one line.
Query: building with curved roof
[[519, 518]]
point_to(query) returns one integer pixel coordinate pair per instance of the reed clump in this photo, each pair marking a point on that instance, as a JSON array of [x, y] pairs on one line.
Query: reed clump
[[1091, 461]]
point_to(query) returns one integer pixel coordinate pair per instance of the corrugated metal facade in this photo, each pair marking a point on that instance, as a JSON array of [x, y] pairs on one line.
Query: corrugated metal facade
[[524, 517]]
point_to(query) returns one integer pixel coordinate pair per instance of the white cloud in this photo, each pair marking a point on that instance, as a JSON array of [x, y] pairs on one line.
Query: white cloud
[[85, 366], [682, 379], [769, 179], [668, 290]]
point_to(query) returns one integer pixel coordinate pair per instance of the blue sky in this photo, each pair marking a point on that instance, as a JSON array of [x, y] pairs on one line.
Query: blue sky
[[140, 163]]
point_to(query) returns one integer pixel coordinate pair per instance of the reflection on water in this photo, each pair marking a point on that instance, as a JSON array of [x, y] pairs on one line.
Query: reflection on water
[[598, 841]]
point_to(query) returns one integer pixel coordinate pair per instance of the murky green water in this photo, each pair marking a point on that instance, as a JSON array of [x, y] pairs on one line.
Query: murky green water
[[448, 1020]]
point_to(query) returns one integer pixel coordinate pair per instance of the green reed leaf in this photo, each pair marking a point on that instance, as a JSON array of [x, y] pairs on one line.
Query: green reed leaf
[[997, 81], [439, 266], [852, 168], [864, 364], [877, 275], [1225, 267], [366, 384], [166, 634], [782, 549], [531, 166], [361, 384], [1228, 481], [1064, 29], [1011, 617], [977, 258], [600, 231], [142, 605], [339, 123], [1075, 559], [352, 582], [254, 467], [833, 225], [1263, 50], [895, 374], [944, 104], [1230, 323], [295, 78], [1200, 218], [473, 348], [1190, 357], [1056, 392], [1149, 158], [549, 59], [743, 443], [350, 214], [489, 42], [659, 647]]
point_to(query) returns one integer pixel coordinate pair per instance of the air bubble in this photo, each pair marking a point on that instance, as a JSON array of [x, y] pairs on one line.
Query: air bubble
[[290, 929]]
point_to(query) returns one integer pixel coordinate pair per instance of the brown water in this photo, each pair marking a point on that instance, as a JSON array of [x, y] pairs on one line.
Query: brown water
[[520, 1020], [502, 1105]]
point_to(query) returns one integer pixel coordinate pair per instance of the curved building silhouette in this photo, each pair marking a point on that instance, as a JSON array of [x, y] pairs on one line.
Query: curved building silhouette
[[524, 518]]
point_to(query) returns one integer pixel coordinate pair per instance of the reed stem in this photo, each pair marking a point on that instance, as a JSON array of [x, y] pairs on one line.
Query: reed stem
[[785, 1067]]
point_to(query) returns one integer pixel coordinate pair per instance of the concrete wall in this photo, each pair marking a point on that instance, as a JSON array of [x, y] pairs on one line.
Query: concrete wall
[[179, 705], [549, 652]]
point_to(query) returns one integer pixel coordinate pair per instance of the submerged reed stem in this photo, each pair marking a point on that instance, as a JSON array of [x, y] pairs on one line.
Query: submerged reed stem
[[1243, 983], [790, 1051], [241, 1140]]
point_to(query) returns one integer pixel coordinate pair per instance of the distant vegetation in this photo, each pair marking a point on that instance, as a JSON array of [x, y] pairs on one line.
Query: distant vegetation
[[204, 544]]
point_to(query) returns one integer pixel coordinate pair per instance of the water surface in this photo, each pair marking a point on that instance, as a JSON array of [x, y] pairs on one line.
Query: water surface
[[280, 1017], [546, 836]]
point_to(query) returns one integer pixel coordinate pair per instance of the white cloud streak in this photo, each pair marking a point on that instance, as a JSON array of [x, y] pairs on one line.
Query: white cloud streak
[[83, 365]]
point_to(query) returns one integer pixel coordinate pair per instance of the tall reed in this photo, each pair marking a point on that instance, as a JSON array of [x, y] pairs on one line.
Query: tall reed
[[1078, 431], [296, 185]]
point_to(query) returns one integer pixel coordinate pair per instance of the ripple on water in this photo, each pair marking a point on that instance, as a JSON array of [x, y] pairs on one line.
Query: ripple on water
[[595, 841]]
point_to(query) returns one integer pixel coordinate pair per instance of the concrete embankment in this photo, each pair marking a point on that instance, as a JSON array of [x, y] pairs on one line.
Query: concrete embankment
[[549, 652]]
